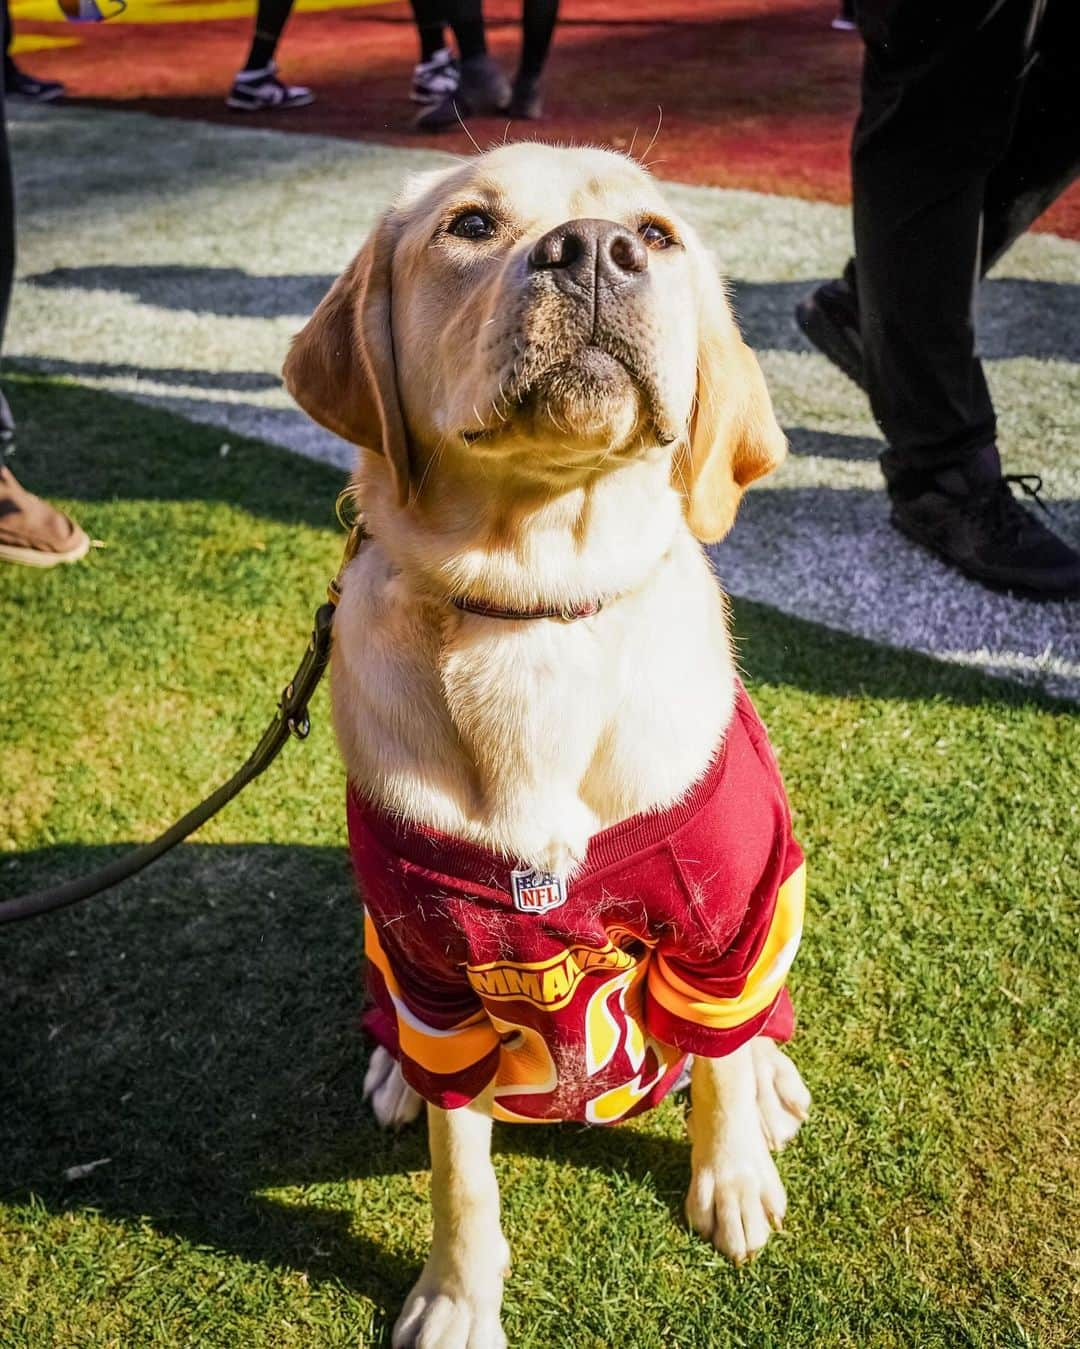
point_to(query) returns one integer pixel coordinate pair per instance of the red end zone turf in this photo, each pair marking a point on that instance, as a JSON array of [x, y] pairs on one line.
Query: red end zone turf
[[755, 94]]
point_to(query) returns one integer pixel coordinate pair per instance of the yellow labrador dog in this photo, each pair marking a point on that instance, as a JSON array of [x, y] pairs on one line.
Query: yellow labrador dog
[[532, 663]]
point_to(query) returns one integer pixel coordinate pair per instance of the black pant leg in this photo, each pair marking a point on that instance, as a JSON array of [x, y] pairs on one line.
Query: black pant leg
[[271, 17], [7, 218], [1043, 157], [941, 86], [7, 258], [430, 19], [466, 18], [537, 29]]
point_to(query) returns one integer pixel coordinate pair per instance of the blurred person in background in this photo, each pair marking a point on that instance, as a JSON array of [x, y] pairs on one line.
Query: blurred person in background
[[257, 88], [18, 83], [482, 87], [969, 128], [435, 75]]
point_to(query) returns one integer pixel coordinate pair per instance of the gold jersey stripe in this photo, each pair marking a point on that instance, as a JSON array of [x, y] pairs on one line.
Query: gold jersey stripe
[[444, 1052], [763, 982]]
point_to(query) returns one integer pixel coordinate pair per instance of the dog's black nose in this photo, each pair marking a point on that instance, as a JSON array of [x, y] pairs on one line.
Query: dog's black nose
[[581, 249]]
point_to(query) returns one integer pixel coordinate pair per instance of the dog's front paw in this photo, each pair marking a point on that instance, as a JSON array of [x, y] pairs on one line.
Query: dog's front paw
[[782, 1098], [394, 1102], [736, 1198], [560, 848], [442, 1312]]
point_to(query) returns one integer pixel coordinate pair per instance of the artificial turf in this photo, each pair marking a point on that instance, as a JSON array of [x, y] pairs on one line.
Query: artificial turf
[[197, 1028]]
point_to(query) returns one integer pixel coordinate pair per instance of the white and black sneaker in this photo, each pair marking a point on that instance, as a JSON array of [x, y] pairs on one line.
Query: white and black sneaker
[[262, 91], [433, 79]]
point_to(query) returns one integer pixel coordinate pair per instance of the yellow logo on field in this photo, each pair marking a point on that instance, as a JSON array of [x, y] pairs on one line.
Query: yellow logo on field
[[176, 11]]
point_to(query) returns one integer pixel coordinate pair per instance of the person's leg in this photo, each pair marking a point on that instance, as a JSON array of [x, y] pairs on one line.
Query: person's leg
[[942, 89], [467, 20], [31, 531], [435, 75], [7, 244], [7, 216], [270, 19], [429, 17], [17, 81], [1043, 157], [537, 29], [482, 86], [257, 87]]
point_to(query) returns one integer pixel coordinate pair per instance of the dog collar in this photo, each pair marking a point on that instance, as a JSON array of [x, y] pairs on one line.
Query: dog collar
[[358, 534], [566, 613]]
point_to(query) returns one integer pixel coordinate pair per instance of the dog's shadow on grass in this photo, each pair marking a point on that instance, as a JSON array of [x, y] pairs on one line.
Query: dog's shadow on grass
[[198, 1028]]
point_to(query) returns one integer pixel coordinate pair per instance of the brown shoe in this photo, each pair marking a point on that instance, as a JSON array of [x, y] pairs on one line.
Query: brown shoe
[[32, 531]]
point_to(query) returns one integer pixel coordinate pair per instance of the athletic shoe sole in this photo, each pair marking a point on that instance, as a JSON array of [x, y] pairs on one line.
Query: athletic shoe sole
[[239, 105], [50, 96], [830, 338]]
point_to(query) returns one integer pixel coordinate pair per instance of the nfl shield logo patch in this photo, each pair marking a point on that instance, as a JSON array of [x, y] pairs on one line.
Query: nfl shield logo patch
[[537, 891]]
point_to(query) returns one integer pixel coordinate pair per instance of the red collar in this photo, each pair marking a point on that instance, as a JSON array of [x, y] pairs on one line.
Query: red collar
[[566, 613]]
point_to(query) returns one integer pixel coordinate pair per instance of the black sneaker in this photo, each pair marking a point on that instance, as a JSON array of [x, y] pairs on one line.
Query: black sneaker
[[18, 84], [969, 517], [829, 317], [482, 89]]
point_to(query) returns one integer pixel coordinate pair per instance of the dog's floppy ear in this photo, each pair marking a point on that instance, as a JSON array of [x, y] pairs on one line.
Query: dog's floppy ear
[[734, 435], [340, 367]]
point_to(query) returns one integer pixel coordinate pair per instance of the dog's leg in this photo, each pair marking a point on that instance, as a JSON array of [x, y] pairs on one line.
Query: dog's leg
[[392, 1099], [736, 1197], [455, 1303], [782, 1097]]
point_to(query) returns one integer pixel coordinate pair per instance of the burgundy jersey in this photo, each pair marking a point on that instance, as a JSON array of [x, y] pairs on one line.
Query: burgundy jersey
[[581, 1001]]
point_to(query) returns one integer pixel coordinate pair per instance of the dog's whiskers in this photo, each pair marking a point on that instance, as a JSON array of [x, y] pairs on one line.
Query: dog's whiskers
[[472, 138], [436, 455], [659, 124]]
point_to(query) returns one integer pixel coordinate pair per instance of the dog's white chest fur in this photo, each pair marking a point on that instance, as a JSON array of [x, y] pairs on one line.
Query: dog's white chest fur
[[529, 736]]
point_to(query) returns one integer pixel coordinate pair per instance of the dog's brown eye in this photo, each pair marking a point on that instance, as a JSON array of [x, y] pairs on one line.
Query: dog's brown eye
[[472, 225], [654, 235]]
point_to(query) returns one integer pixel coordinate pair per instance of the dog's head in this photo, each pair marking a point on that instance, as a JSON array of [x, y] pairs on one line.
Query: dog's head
[[544, 311]]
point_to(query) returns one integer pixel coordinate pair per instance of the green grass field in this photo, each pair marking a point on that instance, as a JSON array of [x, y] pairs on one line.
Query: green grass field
[[197, 1028]]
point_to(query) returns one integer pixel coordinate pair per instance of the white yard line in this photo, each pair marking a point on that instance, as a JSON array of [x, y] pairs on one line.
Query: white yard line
[[170, 261]]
